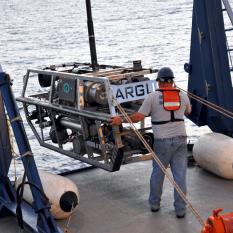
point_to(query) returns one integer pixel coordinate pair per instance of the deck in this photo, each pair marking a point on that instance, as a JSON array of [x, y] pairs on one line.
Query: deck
[[117, 202]]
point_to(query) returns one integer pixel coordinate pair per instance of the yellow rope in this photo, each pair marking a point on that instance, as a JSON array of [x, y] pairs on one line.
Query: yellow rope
[[14, 154], [162, 167]]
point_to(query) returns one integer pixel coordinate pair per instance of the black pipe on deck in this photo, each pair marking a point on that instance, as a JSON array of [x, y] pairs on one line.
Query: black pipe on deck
[[91, 35]]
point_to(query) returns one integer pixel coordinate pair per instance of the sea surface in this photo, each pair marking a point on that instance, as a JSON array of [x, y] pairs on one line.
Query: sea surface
[[35, 33]]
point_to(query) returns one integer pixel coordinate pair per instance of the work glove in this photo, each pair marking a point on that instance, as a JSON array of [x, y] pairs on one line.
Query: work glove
[[116, 120]]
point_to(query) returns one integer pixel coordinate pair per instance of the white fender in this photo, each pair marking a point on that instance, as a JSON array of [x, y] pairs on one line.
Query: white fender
[[61, 192], [214, 152]]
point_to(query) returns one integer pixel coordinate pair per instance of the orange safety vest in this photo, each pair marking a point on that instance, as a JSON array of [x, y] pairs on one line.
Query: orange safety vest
[[171, 102]]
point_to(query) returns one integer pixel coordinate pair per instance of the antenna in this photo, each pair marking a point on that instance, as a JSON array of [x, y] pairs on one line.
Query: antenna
[[91, 35]]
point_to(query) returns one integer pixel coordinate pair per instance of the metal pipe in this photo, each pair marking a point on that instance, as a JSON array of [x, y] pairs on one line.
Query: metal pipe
[[84, 113], [84, 77], [70, 124], [91, 35], [107, 167]]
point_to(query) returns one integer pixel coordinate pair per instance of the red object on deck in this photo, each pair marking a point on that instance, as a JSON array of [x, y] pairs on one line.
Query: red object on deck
[[219, 223]]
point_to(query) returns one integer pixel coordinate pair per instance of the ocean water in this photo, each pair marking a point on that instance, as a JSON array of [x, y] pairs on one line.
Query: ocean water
[[35, 33]]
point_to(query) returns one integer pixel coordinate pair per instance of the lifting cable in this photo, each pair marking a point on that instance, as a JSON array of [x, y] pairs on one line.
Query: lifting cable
[[162, 167], [208, 103]]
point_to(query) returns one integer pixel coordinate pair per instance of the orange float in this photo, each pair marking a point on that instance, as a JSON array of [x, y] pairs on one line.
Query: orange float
[[219, 223]]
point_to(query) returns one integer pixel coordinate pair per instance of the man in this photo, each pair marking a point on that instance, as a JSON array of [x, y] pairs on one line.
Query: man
[[167, 107]]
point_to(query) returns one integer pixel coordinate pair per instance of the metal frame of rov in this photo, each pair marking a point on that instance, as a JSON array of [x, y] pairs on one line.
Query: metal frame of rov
[[70, 112]]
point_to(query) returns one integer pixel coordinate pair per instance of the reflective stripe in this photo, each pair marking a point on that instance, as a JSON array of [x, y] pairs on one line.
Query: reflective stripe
[[171, 99], [171, 104]]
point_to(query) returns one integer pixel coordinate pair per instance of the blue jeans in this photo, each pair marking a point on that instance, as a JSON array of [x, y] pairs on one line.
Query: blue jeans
[[171, 151]]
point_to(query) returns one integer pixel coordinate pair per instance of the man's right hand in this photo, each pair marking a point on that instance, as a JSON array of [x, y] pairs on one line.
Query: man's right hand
[[117, 120]]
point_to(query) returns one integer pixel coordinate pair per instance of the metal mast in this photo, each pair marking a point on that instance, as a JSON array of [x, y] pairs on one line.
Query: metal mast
[[91, 35]]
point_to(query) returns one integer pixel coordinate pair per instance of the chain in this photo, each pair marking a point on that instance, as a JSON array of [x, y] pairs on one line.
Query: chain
[[162, 167]]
